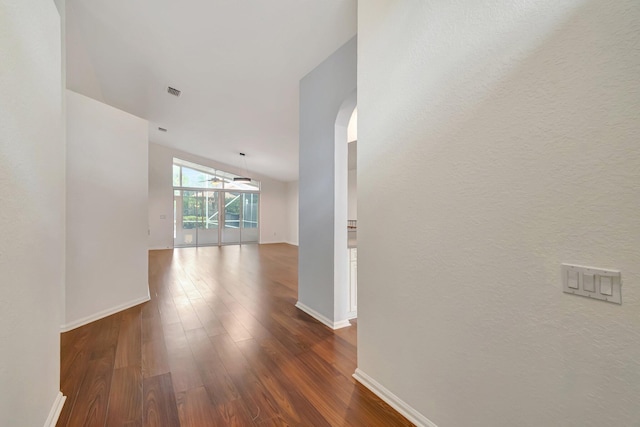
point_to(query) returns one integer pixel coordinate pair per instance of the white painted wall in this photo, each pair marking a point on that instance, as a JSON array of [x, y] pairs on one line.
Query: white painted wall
[[503, 138], [352, 127], [32, 213], [323, 259], [81, 76], [273, 210], [352, 208], [292, 212], [352, 180], [107, 192], [273, 198], [160, 197], [61, 6]]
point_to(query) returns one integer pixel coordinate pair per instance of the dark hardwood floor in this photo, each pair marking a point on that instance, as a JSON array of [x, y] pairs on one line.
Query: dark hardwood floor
[[219, 344]]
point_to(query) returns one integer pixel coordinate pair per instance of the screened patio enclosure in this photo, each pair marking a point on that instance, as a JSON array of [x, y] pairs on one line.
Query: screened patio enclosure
[[210, 208]]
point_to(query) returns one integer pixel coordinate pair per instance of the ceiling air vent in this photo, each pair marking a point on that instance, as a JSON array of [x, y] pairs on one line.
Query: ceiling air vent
[[173, 91], [162, 129]]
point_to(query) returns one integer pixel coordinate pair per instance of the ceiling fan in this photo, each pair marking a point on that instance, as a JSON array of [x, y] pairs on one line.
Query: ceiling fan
[[214, 179]]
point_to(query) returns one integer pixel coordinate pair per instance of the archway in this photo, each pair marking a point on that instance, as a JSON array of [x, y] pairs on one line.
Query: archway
[[342, 294]]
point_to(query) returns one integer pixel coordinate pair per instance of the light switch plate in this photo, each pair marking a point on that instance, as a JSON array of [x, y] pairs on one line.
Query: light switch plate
[[597, 283], [606, 287], [589, 282], [573, 279]]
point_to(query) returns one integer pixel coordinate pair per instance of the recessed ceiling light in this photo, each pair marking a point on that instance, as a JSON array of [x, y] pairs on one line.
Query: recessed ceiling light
[[162, 129], [174, 91]]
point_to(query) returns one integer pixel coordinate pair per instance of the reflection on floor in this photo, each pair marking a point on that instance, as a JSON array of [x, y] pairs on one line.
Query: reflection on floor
[[219, 344]]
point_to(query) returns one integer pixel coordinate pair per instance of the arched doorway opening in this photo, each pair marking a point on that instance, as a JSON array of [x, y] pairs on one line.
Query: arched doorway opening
[[345, 295]]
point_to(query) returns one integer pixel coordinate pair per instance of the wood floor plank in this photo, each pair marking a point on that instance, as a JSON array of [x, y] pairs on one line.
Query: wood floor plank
[[188, 317], [90, 408], [168, 312], [294, 408], [125, 397], [155, 360], [195, 409], [209, 320], [128, 349], [234, 413], [234, 327], [274, 422], [150, 308], [104, 337], [160, 408], [367, 409], [220, 343], [75, 352], [184, 370], [308, 381], [261, 405], [338, 353], [151, 325], [218, 383]]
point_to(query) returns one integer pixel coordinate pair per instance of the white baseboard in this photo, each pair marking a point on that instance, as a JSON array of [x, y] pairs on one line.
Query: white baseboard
[[261, 243], [352, 315], [56, 409], [394, 401], [323, 319], [104, 313], [270, 242]]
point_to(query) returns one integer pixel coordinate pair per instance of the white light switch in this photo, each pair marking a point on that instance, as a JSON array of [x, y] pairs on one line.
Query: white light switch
[[572, 279], [589, 282], [595, 283], [606, 285]]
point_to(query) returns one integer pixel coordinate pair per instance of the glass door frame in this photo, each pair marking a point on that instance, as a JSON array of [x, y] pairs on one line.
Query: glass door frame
[[178, 216], [202, 220]]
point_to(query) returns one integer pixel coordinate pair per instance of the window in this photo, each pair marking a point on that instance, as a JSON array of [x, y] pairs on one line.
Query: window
[[192, 175], [211, 208]]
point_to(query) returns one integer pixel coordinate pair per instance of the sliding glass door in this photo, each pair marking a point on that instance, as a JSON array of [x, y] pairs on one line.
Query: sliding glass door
[[214, 217], [208, 221], [185, 218], [249, 232], [232, 217]]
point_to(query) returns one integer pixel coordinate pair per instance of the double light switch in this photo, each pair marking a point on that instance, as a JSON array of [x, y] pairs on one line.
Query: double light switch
[[602, 284]]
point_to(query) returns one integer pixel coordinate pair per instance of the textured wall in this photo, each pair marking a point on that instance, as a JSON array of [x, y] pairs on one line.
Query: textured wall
[[323, 183], [352, 208], [292, 212], [498, 139], [31, 210], [107, 204]]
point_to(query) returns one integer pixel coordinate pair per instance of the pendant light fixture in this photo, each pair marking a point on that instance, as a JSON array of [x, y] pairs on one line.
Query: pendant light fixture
[[244, 178]]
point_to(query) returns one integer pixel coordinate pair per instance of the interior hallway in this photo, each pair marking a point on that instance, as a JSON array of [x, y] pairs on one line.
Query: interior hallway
[[220, 343]]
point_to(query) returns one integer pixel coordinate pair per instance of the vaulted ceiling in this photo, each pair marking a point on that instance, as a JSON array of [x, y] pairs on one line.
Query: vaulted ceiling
[[237, 62]]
